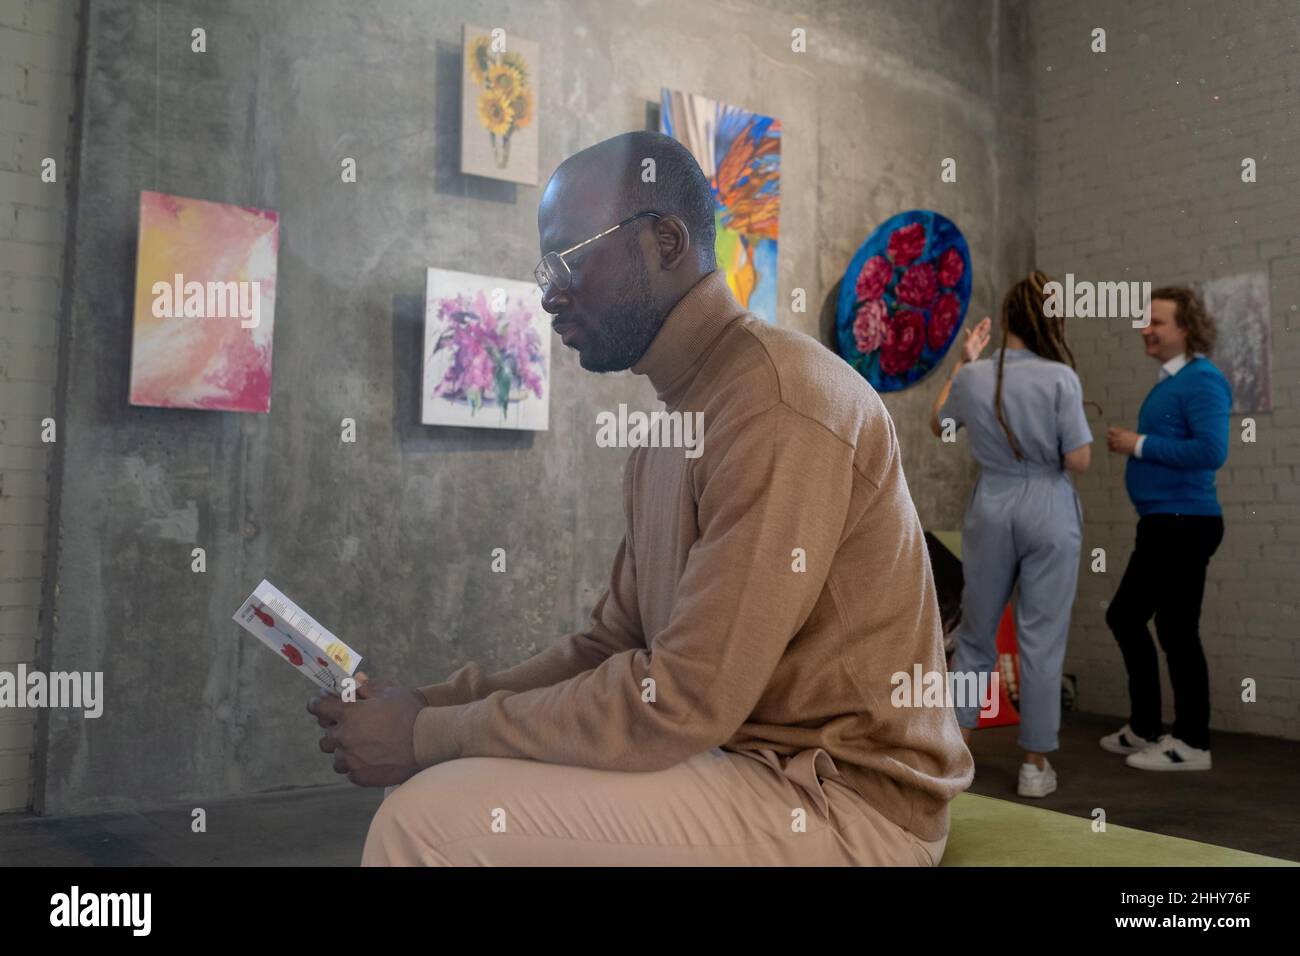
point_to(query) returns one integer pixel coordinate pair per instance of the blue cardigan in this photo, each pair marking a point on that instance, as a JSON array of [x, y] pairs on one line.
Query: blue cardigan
[[1185, 419]]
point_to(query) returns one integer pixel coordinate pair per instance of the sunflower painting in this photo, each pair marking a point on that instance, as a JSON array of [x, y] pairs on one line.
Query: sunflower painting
[[498, 136]]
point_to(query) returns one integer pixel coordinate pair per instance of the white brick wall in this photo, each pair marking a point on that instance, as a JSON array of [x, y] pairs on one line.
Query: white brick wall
[[37, 60], [1139, 163]]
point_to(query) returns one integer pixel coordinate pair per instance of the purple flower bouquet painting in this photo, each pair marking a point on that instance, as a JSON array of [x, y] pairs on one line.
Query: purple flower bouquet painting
[[487, 353]]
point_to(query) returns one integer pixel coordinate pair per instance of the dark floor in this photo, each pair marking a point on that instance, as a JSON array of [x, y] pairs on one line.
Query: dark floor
[[1250, 801], [321, 826]]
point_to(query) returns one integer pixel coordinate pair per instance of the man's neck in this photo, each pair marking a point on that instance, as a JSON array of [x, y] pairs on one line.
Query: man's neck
[[691, 326], [1173, 365], [686, 281]]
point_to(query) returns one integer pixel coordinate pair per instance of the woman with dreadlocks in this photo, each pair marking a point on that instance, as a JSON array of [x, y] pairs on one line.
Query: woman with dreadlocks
[[1023, 410]]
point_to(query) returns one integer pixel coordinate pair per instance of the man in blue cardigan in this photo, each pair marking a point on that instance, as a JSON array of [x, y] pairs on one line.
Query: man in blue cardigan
[[1181, 441]]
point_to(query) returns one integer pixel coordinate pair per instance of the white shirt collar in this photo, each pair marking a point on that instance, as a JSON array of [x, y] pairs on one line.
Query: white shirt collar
[[1174, 366]]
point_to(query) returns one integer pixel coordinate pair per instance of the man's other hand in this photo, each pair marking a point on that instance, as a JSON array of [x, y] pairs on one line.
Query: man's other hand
[[372, 738], [1121, 440]]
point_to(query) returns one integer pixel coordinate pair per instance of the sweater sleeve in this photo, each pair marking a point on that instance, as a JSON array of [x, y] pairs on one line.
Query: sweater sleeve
[[615, 626], [740, 601], [1206, 411]]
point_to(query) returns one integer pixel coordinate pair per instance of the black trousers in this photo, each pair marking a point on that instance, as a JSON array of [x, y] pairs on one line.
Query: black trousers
[[1165, 578]]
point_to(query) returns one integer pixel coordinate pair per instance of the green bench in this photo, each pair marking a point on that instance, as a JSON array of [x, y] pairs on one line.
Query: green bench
[[990, 832]]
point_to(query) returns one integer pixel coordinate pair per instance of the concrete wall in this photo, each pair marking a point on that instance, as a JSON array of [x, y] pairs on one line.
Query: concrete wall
[[388, 541], [37, 54], [957, 83], [1139, 178]]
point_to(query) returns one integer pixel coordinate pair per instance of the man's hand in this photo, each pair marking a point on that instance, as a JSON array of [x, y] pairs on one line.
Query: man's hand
[[1121, 440], [373, 738]]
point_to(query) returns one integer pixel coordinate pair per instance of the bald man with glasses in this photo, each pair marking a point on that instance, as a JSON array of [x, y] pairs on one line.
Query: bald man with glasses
[[730, 702]]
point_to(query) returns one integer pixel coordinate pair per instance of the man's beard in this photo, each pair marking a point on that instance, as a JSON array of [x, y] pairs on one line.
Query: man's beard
[[629, 328]]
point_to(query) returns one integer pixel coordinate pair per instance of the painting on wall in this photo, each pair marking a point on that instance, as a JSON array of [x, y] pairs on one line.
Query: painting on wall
[[1242, 350], [903, 298], [204, 305], [740, 153], [498, 122], [487, 353]]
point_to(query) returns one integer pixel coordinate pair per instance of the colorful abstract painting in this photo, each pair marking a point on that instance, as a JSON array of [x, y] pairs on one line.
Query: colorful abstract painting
[[204, 305], [903, 299], [740, 152], [487, 353], [1243, 346], [498, 122]]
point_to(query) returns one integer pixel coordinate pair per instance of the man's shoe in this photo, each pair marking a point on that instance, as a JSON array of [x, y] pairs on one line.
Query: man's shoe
[[1124, 741], [1170, 753], [1035, 782]]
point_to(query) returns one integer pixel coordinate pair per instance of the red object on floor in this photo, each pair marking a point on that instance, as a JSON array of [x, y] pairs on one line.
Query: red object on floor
[[1008, 673]]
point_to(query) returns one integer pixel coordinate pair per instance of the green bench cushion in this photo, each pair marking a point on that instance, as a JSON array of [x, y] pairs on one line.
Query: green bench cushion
[[990, 832]]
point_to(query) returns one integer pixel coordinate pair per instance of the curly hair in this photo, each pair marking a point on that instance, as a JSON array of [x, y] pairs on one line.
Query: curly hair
[[1191, 316]]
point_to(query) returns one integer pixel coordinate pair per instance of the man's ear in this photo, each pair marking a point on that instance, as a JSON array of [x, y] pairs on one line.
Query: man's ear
[[673, 241]]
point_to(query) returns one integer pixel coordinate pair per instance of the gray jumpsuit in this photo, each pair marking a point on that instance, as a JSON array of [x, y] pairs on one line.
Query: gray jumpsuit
[[1023, 522]]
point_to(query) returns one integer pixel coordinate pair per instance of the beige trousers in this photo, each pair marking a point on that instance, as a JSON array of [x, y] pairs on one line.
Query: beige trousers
[[719, 808]]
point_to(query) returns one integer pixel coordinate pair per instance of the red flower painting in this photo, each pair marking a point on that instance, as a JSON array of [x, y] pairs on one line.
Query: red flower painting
[[903, 298]]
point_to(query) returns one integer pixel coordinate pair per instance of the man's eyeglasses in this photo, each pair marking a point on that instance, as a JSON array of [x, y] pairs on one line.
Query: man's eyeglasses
[[553, 270]]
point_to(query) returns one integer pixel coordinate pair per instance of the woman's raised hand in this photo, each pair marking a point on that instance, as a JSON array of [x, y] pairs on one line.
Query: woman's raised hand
[[977, 339]]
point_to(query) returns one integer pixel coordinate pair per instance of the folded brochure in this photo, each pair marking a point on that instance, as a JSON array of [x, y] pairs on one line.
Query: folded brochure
[[295, 636]]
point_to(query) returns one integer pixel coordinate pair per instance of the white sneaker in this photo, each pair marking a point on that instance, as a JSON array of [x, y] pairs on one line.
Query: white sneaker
[[1124, 741], [1035, 782], [1170, 753]]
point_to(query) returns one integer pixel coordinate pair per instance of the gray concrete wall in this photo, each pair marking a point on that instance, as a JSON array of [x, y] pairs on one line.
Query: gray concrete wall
[[1139, 177], [917, 82], [388, 541]]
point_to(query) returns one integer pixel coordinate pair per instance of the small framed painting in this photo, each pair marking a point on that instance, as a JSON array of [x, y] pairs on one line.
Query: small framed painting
[[487, 353], [204, 305], [498, 122]]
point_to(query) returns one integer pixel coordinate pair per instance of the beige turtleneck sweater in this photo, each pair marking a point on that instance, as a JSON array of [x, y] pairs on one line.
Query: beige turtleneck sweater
[[709, 634]]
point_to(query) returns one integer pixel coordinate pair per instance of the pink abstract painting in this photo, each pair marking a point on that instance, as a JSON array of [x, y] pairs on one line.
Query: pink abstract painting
[[204, 305]]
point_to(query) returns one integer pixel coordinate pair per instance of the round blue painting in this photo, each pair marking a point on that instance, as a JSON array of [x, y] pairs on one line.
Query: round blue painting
[[903, 299]]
